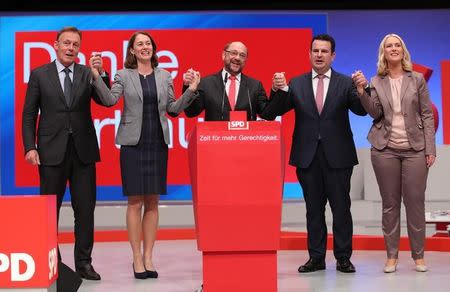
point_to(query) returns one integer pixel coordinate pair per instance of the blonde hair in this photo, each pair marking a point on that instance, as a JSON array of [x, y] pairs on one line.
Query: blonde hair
[[382, 66]]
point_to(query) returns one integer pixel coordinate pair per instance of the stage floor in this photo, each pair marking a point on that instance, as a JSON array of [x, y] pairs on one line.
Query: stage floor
[[179, 265]]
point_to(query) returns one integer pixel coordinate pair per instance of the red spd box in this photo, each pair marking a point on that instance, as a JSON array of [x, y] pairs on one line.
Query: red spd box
[[28, 242]]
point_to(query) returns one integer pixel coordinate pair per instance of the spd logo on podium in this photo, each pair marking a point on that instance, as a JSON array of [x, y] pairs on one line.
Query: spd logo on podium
[[11, 263], [238, 125]]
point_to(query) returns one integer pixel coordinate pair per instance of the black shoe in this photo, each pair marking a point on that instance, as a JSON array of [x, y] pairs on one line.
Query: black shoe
[[87, 272], [312, 265], [152, 274], [345, 266], [139, 275]]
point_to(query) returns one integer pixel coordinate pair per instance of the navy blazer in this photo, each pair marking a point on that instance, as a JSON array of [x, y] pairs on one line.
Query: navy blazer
[[331, 127]]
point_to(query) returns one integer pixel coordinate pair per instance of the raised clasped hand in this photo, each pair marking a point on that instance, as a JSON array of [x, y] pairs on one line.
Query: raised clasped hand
[[189, 76], [96, 64], [194, 77], [279, 80], [360, 81]]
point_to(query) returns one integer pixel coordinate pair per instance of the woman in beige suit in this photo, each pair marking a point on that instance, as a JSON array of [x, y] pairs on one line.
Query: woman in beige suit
[[403, 145], [144, 135]]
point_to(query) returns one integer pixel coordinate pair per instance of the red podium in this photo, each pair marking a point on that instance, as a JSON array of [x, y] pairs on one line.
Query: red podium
[[237, 175], [28, 250]]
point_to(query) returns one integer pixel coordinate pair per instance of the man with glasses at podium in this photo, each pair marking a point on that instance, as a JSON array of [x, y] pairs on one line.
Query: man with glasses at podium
[[227, 90]]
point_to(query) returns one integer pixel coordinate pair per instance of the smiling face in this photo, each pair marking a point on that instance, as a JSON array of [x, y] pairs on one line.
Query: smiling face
[[142, 48], [234, 58], [393, 51], [67, 47], [321, 56]]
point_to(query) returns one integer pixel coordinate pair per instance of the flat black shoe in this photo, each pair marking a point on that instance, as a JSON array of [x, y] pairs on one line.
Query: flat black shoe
[[152, 274], [312, 265], [140, 275], [87, 272], [345, 266]]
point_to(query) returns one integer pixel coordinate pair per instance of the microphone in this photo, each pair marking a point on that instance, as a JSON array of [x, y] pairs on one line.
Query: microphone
[[224, 91], [250, 103]]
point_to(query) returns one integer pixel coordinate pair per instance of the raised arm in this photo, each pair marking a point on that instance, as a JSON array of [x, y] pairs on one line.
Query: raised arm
[[109, 97], [280, 100], [175, 106], [197, 105]]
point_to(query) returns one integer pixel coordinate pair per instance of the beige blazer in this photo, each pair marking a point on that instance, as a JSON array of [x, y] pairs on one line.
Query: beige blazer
[[416, 108], [127, 84]]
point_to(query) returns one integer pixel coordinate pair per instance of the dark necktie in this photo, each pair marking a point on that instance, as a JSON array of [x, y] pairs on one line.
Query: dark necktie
[[320, 93], [67, 85]]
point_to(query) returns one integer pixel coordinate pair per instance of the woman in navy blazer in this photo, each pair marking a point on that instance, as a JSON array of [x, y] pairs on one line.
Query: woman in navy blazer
[[144, 135]]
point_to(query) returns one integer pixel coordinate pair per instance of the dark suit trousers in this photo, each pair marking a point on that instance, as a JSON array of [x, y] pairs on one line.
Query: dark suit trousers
[[320, 183], [82, 183]]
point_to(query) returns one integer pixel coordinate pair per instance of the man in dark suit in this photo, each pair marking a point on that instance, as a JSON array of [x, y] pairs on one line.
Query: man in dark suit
[[67, 146], [322, 149], [227, 90]]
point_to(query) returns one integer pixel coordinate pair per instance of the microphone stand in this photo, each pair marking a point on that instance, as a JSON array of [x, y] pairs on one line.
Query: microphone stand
[[250, 103], [224, 90]]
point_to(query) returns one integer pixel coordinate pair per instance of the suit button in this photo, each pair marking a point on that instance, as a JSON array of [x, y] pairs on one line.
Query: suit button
[[70, 130], [405, 115]]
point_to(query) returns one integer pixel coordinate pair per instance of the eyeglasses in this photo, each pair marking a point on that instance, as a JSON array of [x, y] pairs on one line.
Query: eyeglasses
[[67, 44], [236, 53]]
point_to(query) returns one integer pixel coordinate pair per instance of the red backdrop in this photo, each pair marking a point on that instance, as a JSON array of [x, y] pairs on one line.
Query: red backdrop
[[270, 50]]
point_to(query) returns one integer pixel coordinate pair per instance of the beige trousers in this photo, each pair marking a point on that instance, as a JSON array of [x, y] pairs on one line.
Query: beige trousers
[[402, 174]]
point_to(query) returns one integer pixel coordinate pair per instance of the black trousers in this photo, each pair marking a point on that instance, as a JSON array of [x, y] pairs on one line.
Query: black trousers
[[320, 183], [82, 184]]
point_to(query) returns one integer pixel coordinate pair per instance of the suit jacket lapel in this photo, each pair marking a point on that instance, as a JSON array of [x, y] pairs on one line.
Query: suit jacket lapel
[[54, 80], [74, 96], [159, 83], [242, 98], [386, 87], [309, 94], [330, 98], [405, 83], [134, 76]]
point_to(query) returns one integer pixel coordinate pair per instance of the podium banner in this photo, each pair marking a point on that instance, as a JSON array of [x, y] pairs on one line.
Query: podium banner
[[28, 241]]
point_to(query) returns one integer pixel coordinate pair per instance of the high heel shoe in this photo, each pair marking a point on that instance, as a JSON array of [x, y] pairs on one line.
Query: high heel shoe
[[140, 275], [391, 268], [151, 274], [420, 267]]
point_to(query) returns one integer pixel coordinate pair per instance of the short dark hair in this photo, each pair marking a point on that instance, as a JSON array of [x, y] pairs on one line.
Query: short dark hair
[[66, 29], [327, 38], [130, 59]]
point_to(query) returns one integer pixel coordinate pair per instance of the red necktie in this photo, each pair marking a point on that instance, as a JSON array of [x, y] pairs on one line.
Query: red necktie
[[319, 93], [232, 92]]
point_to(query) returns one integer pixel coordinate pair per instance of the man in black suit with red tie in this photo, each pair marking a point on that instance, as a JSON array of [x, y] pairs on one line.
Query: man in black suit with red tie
[[323, 150], [67, 148], [227, 90]]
